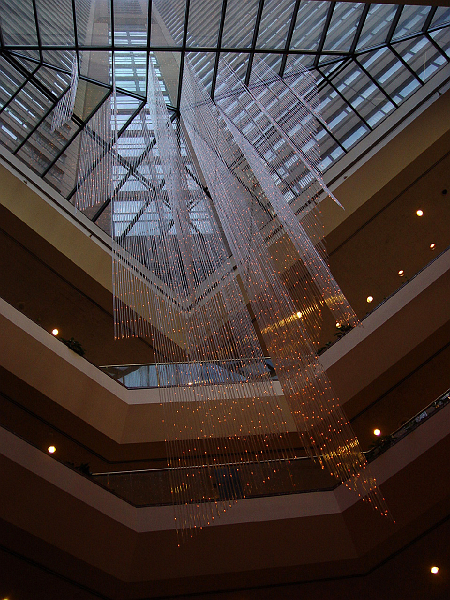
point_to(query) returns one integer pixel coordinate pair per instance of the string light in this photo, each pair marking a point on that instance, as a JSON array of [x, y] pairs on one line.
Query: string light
[[64, 109]]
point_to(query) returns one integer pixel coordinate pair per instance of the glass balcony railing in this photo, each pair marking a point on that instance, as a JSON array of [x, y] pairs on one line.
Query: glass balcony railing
[[179, 374], [149, 487]]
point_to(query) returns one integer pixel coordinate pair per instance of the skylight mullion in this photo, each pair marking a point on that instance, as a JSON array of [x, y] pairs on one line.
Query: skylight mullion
[[39, 123], [324, 33], [405, 64], [347, 102], [183, 52], [289, 38], [359, 29], [149, 34], [254, 40], [394, 24], [38, 34], [75, 34], [429, 18], [2, 41], [19, 89], [219, 44], [375, 82]]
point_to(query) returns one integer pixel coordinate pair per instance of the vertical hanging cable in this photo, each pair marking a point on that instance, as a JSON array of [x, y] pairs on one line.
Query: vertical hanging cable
[[64, 109]]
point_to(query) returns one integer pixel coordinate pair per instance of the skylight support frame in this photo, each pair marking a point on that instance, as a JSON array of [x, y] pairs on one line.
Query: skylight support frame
[[254, 41], [324, 33], [219, 44], [183, 52], [289, 38]]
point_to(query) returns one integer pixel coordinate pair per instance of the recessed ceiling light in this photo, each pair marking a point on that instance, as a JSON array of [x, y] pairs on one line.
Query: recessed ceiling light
[[55, 331], [51, 449], [419, 212], [434, 570], [401, 272], [369, 299], [433, 246], [376, 432]]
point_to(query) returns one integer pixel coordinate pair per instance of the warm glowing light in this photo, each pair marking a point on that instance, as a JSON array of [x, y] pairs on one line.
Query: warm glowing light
[[369, 299], [401, 272], [376, 432], [299, 315], [338, 325], [419, 212], [433, 246], [55, 331], [435, 570], [51, 449]]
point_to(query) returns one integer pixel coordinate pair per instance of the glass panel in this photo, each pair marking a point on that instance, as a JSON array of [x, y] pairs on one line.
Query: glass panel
[[421, 56], [203, 63], [22, 114], [377, 25], [44, 144], [341, 120], [55, 22], [131, 71], [311, 19], [168, 22], [130, 22], [88, 98], [93, 22], [96, 65], [306, 60], [167, 66], [442, 37], [411, 20], [238, 62], [18, 24], [10, 80], [63, 175], [54, 81], [361, 93], [104, 221], [275, 21], [239, 25], [59, 58], [441, 16], [392, 76], [204, 22], [346, 16]]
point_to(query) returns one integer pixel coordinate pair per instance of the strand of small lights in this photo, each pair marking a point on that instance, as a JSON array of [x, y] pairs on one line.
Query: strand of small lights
[[320, 421], [169, 229], [64, 109], [95, 158]]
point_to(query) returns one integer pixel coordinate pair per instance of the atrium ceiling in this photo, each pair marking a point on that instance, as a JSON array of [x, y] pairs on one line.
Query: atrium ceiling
[[367, 58]]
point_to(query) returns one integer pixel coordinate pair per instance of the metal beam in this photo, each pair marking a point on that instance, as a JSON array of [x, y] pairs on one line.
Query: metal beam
[[359, 29], [38, 33], [324, 33], [183, 52], [219, 44], [254, 40], [289, 37], [19, 89]]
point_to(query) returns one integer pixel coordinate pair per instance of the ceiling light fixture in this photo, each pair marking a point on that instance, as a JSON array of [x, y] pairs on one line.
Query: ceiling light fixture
[[401, 272], [376, 432], [299, 315], [55, 331], [51, 449], [369, 299], [434, 570], [419, 212], [432, 246]]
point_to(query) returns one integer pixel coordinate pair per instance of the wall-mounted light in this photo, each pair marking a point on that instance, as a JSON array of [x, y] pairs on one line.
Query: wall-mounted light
[[434, 570]]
